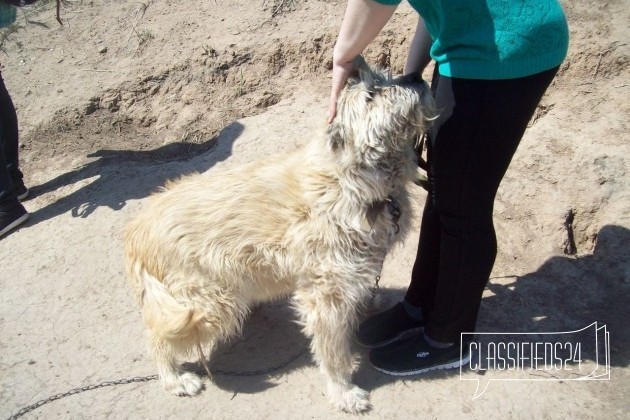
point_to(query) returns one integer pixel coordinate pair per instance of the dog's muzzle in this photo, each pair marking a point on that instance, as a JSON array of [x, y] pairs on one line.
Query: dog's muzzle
[[410, 79]]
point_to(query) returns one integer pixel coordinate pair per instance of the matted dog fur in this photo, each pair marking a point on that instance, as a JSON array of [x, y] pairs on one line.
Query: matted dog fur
[[314, 225]]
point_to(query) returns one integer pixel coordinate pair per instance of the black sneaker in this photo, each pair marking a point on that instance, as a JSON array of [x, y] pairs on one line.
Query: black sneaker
[[20, 190], [414, 356], [11, 216], [387, 327]]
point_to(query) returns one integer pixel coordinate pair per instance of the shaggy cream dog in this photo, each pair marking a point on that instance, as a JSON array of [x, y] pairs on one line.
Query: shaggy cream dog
[[315, 225]]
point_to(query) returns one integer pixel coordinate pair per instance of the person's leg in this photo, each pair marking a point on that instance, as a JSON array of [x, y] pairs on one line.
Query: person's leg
[[12, 213], [9, 132], [6, 186], [475, 138], [471, 154], [425, 271], [8, 135]]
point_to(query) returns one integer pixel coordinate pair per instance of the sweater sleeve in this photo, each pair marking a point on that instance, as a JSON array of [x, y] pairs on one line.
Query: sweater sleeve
[[389, 2]]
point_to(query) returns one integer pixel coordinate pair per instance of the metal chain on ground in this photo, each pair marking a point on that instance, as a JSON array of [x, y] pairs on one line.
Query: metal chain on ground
[[261, 372], [80, 390], [148, 378]]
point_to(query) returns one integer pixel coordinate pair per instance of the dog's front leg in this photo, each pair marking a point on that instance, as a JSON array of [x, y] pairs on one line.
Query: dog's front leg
[[328, 318]]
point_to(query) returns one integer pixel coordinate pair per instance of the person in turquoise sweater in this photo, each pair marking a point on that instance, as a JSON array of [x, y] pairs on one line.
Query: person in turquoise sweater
[[494, 61]]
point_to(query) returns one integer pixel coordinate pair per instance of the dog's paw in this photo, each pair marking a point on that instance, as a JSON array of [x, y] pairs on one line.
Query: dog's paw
[[186, 385], [352, 400]]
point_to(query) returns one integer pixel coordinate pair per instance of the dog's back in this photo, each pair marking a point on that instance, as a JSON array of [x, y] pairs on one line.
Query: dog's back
[[223, 238]]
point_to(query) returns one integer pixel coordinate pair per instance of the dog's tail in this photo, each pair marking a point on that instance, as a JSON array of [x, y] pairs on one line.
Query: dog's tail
[[164, 316]]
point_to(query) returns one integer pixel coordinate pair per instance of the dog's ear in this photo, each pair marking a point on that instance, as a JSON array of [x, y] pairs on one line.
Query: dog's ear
[[371, 79], [358, 66], [335, 137]]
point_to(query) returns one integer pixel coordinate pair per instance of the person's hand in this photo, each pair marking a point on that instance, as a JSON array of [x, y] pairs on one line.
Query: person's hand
[[361, 23], [340, 73]]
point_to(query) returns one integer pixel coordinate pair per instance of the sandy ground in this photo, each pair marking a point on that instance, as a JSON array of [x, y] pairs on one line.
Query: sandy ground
[[129, 94]]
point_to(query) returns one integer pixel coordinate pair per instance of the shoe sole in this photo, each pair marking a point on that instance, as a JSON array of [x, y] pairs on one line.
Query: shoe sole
[[15, 224], [399, 337], [23, 196], [444, 366]]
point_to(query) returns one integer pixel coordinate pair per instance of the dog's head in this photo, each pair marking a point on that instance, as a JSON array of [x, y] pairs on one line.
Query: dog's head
[[379, 116]]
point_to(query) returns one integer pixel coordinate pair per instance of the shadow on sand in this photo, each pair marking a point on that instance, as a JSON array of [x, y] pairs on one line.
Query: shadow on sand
[[122, 175]]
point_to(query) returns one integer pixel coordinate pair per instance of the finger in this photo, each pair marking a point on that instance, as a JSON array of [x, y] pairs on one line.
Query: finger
[[332, 113], [340, 75], [332, 106]]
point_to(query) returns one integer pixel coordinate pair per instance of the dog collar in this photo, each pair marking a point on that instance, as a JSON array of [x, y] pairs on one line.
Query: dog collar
[[391, 205]]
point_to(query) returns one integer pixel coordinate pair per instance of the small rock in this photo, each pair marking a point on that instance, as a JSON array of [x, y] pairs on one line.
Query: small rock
[[102, 50], [90, 108]]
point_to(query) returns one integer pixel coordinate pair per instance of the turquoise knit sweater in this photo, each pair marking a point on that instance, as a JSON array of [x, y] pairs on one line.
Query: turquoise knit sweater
[[494, 39]]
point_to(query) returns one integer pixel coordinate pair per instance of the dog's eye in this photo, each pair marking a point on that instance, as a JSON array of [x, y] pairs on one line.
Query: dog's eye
[[372, 92]]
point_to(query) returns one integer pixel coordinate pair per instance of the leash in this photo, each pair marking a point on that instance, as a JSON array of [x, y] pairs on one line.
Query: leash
[[376, 287], [149, 378], [393, 207], [421, 179], [74, 391]]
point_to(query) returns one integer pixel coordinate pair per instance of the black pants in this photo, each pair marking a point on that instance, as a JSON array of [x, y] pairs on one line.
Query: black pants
[[470, 146], [9, 171]]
